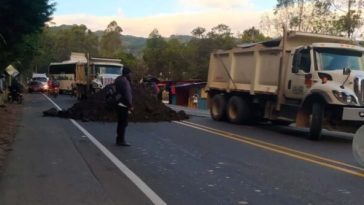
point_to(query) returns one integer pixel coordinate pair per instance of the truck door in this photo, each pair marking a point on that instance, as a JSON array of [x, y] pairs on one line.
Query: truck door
[[299, 77]]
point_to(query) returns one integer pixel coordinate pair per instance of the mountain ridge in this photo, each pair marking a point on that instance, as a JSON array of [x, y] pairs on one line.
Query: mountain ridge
[[130, 43]]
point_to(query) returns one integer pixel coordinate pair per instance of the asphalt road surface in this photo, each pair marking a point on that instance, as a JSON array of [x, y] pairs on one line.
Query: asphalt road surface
[[199, 161]]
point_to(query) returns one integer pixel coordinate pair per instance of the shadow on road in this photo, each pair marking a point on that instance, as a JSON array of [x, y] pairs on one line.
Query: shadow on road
[[328, 136]]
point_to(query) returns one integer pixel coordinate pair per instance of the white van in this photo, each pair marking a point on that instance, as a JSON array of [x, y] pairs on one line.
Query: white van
[[41, 77]]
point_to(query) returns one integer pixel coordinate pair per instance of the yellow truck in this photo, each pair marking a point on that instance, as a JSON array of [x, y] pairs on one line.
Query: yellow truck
[[316, 81]]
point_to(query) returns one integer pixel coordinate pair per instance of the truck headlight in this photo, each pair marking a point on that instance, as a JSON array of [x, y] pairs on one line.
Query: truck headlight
[[345, 97]]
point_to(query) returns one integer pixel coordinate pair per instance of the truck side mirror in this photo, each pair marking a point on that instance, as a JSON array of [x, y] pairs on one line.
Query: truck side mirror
[[346, 71], [296, 62]]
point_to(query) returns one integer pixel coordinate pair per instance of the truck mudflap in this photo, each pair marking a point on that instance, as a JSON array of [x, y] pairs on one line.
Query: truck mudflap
[[353, 114]]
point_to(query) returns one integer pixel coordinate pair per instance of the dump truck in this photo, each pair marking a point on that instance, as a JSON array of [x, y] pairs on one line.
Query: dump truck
[[315, 81], [85, 75]]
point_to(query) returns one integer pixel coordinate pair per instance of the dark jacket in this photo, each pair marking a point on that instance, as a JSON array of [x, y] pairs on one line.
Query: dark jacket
[[123, 87]]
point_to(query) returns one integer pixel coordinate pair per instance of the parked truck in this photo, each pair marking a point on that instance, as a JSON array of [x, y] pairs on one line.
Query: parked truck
[[86, 74], [316, 81]]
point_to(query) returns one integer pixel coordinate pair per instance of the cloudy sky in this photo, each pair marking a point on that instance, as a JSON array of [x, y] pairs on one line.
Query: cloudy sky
[[140, 17]]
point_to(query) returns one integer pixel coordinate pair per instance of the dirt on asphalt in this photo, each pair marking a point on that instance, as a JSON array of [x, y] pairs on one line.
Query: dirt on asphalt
[[147, 108], [9, 122]]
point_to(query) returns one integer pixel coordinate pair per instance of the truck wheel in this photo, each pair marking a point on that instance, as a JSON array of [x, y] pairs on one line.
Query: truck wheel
[[238, 110], [316, 119], [218, 108]]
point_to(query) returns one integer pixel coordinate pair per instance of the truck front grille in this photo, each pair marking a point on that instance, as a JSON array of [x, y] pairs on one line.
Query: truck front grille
[[359, 89], [107, 81]]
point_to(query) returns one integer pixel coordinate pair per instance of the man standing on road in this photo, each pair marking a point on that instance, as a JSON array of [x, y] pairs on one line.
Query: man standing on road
[[123, 88], [2, 90]]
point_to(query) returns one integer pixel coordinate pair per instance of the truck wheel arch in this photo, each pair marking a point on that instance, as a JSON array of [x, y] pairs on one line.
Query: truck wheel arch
[[313, 105], [303, 114], [314, 97], [218, 107]]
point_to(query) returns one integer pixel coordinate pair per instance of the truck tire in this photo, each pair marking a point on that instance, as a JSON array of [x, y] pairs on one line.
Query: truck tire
[[238, 110], [317, 116], [218, 108]]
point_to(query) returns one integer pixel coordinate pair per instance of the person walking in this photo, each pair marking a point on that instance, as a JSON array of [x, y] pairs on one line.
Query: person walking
[[2, 90], [123, 88], [15, 90]]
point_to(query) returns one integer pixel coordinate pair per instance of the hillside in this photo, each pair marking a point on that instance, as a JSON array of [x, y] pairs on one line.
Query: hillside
[[132, 44]]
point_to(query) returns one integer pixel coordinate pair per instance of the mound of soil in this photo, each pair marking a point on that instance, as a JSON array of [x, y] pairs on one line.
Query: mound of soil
[[147, 108]]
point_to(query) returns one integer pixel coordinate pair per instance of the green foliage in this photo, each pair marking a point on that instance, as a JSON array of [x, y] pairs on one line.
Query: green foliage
[[252, 35], [133, 44], [110, 44], [198, 32], [154, 53], [319, 16], [56, 44], [20, 20], [174, 59]]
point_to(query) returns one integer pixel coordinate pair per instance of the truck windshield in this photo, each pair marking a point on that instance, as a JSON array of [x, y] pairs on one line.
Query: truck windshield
[[337, 59], [108, 69]]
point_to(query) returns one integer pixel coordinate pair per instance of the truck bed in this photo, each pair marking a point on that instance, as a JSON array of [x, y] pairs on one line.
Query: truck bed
[[254, 70]]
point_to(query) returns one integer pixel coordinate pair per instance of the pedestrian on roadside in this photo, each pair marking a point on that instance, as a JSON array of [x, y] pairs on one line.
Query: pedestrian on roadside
[[123, 88], [195, 100], [14, 89], [2, 90]]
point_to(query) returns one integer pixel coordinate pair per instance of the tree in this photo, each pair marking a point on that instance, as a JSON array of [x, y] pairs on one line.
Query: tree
[[252, 35], [198, 32], [336, 17], [55, 44], [178, 64], [19, 19], [221, 37], [351, 18], [154, 54], [110, 44]]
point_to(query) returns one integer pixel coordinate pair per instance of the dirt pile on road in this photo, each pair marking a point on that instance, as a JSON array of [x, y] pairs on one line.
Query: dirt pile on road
[[147, 108]]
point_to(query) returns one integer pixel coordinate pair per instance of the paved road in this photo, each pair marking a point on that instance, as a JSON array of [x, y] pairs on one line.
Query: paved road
[[198, 161]]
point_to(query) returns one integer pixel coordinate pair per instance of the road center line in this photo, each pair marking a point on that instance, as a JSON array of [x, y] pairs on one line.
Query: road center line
[[280, 147], [123, 168], [357, 171]]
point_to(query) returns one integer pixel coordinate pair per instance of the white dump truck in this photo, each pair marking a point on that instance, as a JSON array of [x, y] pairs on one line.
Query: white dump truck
[[316, 81]]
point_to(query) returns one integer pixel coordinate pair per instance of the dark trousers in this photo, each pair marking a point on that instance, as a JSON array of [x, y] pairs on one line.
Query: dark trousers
[[122, 124]]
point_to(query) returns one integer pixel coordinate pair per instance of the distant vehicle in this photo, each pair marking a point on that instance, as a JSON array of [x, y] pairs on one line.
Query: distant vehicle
[[36, 86], [64, 73], [53, 88], [42, 78], [85, 75], [316, 81]]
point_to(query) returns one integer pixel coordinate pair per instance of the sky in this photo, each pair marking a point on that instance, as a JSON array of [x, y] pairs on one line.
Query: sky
[[140, 17]]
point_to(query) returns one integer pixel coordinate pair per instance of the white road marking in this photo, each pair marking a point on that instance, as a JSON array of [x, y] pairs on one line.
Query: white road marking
[[123, 168]]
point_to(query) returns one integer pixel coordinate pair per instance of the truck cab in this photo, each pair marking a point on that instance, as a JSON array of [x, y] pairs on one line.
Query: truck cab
[[105, 73], [326, 79]]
